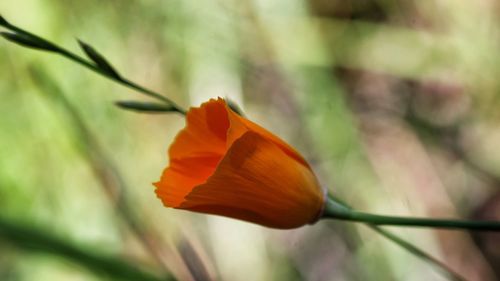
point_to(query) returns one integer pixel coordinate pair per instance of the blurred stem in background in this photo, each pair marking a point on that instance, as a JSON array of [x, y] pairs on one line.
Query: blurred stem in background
[[108, 175], [104, 170], [31, 239]]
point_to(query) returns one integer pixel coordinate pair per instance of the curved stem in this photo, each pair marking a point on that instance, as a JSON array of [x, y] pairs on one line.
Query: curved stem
[[338, 211], [75, 58], [408, 246], [121, 80]]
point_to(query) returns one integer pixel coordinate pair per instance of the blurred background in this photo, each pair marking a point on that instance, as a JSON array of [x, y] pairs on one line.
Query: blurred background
[[395, 104]]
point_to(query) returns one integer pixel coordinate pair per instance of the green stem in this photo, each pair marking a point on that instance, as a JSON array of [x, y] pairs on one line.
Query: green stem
[[73, 57], [408, 246], [338, 211], [120, 80]]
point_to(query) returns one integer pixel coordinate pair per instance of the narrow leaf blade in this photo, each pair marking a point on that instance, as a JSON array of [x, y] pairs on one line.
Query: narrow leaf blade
[[98, 59], [3, 21], [29, 42], [145, 107]]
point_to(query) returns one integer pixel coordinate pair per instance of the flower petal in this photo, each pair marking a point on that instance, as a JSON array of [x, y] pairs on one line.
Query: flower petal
[[206, 131], [258, 181], [195, 153], [240, 125]]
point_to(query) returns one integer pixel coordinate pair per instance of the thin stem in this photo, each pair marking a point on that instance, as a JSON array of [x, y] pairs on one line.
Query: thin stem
[[417, 252], [335, 210], [75, 58], [122, 81], [408, 246]]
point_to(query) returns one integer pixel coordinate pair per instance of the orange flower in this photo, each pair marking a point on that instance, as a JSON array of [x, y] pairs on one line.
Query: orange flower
[[224, 164]]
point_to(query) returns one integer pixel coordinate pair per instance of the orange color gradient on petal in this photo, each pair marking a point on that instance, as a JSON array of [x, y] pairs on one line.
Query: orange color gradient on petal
[[224, 164]]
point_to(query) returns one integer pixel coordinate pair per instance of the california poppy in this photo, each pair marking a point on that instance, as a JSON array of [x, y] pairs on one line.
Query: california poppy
[[224, 164]]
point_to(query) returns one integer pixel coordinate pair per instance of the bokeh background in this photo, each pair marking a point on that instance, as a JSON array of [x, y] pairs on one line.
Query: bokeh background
[[394, 103]]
